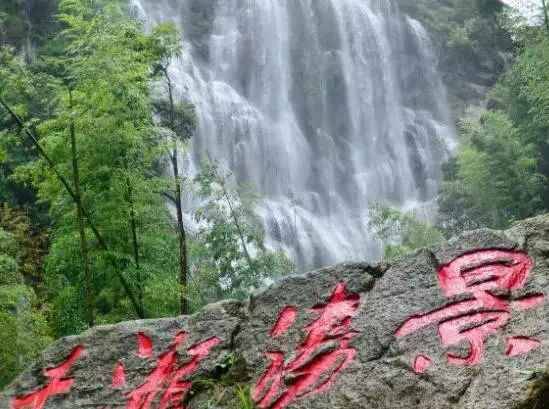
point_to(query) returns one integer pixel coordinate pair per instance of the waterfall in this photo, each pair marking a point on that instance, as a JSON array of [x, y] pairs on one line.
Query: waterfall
[[323, 106]]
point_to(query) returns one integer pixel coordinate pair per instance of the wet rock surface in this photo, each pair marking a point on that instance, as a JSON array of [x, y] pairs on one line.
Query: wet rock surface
[[461, 326]]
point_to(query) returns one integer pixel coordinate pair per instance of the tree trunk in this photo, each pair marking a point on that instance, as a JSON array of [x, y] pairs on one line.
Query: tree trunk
[[135, 241], [88, 279], [545, 14], [181, 233], [238, 227]]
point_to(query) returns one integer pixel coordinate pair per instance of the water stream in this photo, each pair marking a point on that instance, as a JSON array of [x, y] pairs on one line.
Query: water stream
[[323, 106]]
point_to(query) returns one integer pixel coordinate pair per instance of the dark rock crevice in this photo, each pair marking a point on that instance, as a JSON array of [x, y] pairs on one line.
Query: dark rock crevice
[[539, 393]]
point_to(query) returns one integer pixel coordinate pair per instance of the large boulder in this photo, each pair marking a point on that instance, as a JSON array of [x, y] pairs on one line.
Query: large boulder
[[464, 325]]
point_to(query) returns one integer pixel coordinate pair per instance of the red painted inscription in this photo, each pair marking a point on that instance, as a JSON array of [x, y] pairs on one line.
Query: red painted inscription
[[119, 376], [324, 353], [168, 382], [58, 384], [479, 275]]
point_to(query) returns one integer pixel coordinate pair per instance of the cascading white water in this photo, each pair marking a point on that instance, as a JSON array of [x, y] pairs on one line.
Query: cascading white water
[[324, 106]]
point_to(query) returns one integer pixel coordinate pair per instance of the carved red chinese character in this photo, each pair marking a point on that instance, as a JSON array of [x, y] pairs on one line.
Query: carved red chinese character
[[318, 360], [169, 379], [58, 384], [483, 276]]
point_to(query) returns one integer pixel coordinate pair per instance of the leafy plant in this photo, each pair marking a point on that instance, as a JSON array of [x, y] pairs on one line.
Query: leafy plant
[[230, 255], [23, 328], [244, 396], [500, 172], [401, 233]]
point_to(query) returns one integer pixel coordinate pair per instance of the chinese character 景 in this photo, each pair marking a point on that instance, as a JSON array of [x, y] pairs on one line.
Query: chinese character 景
[[486, 280]]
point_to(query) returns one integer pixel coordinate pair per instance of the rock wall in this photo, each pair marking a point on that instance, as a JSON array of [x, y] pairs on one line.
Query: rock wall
[[461, 326], [474, 47]]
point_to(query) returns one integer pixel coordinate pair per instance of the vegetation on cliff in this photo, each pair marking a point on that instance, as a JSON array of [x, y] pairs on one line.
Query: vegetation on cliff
[[500, 172], [473, 41]]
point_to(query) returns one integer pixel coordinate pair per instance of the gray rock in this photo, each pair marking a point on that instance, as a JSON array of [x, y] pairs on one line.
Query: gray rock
[[105, 346], [341, 337]]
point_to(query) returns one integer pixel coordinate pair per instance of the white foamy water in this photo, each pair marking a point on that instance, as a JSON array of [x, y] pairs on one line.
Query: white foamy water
[[324, 106]]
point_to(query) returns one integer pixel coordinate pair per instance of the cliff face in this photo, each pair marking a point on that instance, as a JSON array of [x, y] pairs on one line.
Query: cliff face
[[474, 48], [465, 325], [25, 24]]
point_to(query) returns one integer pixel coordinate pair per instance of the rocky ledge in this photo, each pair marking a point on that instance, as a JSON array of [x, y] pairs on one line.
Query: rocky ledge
[[461, 326]]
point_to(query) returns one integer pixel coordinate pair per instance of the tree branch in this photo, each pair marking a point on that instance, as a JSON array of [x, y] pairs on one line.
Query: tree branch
[[169, 197]]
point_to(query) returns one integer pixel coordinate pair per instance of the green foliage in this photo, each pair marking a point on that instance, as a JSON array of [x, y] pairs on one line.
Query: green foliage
[[184, 118], [460, 37], [496, 179], [470, 27], [229, 256], [244, 397], [101, 73], [30, 96], [31, 243], [524, 95], [67, 311], [23, 328], [9, 269], [472, 41], [12, 28], [165, 43], [401, 233], [500, 172]]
